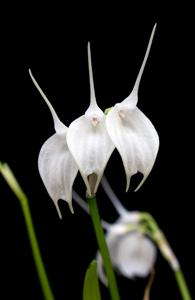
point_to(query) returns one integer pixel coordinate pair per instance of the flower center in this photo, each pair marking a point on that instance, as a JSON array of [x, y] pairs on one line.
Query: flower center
[[92, 179], [95, 120]]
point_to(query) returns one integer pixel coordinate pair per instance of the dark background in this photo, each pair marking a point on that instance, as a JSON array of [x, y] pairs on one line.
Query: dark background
[[52, 41]]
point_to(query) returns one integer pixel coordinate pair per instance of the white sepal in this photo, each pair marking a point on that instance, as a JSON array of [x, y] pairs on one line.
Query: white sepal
[[57, 169], [132, 99], [89, 141], [58, 125], [136, 140]]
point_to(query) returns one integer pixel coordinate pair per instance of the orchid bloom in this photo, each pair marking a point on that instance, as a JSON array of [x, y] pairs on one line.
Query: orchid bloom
[[90, 140], [132, 133], [132, 253], [56, 164]]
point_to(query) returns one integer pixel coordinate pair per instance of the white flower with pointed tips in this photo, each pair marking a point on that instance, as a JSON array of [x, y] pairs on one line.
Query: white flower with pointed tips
[[56, 164], [132, 253], [132, 133], [89, 141]]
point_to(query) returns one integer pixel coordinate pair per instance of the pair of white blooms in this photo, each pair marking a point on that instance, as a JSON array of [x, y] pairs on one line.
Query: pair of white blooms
[[87, 144]]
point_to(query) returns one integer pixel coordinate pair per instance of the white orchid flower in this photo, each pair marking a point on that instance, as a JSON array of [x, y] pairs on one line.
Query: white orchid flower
[[132, 133], [89, 141], [56, 164], [132, 253]]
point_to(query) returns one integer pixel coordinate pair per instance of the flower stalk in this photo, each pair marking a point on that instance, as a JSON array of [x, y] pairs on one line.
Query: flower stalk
[[94, 213], [157, 235], [182, 285]]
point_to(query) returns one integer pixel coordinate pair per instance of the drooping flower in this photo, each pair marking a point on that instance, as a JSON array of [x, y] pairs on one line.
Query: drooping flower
[[56, 164], [132, 133], [89, 142], [132, 253]]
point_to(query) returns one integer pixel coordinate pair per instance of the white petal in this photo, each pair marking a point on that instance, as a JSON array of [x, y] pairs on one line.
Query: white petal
[[136, 140], [132, 254], [89, 141], [132, 132], [57, 169]]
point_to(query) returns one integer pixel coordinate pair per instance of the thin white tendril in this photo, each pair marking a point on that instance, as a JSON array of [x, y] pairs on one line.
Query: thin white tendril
[[85, 207], [113, 198]]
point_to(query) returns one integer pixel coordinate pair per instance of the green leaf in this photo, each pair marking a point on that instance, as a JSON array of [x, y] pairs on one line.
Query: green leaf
[[17, 190], [91, 290]]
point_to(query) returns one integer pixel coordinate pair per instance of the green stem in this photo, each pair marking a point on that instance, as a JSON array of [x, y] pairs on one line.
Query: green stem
[[94, 213], [158, 236], [14, 185], [182, 285]]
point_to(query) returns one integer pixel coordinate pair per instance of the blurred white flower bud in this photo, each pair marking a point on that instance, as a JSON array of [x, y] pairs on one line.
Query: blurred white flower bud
[[132, 253]]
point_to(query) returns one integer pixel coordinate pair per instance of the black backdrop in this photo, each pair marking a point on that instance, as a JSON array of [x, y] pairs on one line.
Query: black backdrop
[[52, 41]]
